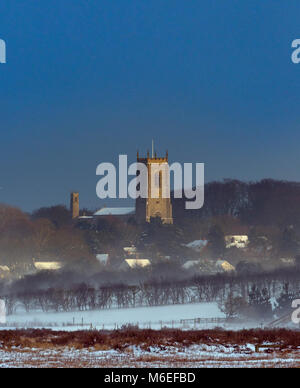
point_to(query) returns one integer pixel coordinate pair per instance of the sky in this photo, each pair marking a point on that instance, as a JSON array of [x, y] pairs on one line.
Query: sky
[[212, 81]]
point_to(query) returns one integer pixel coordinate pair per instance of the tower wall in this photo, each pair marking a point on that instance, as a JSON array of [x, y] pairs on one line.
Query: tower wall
[[158, 184], [74, 205]]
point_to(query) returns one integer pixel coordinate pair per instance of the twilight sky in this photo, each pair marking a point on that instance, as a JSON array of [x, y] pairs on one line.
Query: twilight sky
[[87, 80]]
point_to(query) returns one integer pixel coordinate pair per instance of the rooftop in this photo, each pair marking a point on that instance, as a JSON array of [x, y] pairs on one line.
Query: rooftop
[[115, 211]]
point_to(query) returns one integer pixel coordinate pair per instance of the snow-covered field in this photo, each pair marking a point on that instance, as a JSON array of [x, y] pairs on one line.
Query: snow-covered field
[[207, 316], [197, 316], [153, 317], [197, 356]]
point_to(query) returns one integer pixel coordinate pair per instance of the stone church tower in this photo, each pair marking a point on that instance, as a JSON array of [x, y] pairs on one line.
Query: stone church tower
[[75, 205], [155, 205]]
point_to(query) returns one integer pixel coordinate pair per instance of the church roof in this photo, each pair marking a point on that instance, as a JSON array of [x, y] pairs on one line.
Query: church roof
[[115, 211]]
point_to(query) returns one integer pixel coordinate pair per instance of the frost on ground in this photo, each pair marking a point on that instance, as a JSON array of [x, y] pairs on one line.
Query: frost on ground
[[198, 356], [150, 348]]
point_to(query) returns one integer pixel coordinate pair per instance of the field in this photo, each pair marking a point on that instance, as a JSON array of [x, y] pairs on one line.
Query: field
[[110, 319], [150, 348]]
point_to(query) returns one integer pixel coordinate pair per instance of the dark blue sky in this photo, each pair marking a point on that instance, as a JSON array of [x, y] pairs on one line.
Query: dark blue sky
[[86, 80]]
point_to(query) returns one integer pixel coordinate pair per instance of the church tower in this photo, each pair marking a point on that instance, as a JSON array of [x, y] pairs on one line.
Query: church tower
[[75, 205], [156, 205]]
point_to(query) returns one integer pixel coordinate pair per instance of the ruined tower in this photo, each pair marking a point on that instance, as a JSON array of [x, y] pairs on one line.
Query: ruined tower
[[75, 205], [156, 205]]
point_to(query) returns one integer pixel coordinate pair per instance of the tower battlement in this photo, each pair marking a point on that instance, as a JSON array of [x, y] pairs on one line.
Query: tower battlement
[[153, 159]]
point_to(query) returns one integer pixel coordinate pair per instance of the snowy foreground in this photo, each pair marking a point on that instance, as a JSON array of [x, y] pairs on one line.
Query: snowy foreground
[[68, 342], [197, 356]]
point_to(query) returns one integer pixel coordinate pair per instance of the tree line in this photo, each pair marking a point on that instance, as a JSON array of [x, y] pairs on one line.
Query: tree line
[[266, 202], [229, 291]]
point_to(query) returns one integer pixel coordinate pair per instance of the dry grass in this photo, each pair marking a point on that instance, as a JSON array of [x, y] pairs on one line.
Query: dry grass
[[145, 339]]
